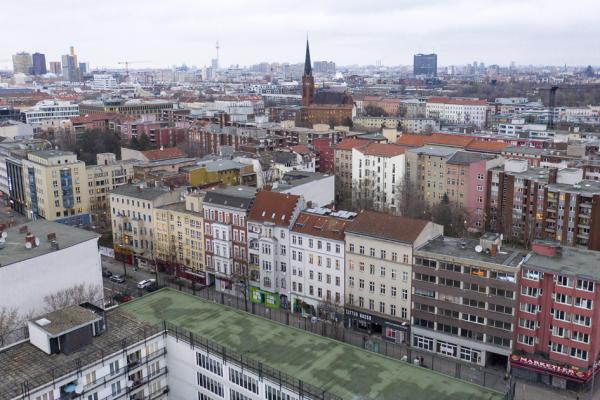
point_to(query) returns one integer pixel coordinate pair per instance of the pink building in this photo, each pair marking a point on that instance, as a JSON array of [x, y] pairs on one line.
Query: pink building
[[160, 133], [466, 180], [557, 339]]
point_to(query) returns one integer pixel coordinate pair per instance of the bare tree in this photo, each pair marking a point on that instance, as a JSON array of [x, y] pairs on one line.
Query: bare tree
[[74, 295], [453, 216], [10, 321], [410, 201]]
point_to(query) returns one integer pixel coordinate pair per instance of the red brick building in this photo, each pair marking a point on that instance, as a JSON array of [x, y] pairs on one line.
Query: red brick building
[[557, 339]]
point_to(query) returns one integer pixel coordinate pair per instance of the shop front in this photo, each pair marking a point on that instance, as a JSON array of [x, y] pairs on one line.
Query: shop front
[[269, 299], [191, 275], [370, 323], [546, 372]]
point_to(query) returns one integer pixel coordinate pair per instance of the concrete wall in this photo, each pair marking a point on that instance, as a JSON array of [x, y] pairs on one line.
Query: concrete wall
[[24, 285]]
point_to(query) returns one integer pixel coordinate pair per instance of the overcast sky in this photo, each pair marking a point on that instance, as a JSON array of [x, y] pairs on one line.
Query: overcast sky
[[168, 32]]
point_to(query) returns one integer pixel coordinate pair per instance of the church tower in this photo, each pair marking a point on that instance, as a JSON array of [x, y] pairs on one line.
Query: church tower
[[308, 81]]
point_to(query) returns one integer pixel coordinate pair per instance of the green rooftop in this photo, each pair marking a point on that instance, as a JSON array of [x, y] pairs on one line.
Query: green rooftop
[[341, 369]]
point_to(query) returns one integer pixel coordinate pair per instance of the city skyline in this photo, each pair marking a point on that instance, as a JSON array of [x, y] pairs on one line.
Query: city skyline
[[164, 35]]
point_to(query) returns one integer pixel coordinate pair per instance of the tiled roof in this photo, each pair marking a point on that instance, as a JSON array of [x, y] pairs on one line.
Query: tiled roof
[[321, 225], [450, 100], [386, 226], [468, 157], [300, 149], [164, 154], [351, 143], [411, 140], [84, 119], [383, 149], [449, 140], [486, 146], [273, 207]]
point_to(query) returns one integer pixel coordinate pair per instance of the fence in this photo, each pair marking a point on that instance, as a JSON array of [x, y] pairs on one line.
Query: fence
[[262, 370], [492, 379]]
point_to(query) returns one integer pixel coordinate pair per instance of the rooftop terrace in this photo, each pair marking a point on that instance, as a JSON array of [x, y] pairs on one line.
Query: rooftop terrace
[[338, 368]]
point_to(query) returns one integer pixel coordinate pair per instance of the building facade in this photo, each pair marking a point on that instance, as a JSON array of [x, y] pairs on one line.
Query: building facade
[[458, 111], [379, 257], [270, 220], [56, 187], [465, 299], [226, 237], [51, 110], [425, 64], [318, 262]]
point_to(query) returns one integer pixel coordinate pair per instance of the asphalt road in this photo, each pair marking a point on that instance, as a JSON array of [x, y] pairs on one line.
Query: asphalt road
[[132, 278]]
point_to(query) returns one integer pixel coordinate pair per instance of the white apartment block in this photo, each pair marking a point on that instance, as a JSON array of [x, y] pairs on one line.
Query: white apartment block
[[51, 110], [84, 352], [377, 171], [269, 222], [457, 111], [104, 82], [318, 261]]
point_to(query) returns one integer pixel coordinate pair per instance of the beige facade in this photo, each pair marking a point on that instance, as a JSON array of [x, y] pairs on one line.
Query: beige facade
[[378, 275], [56, 186], [426, 170], [131, 208], [104, 177], [178, 234]]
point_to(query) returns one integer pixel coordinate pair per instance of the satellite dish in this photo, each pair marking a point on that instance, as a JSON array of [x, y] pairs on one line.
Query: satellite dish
[[4, 235], [27, 245], [37, 241], [478, 248]]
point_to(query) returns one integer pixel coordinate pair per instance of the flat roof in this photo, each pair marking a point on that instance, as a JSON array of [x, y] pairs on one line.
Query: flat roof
[[571, 261], [341, 369], [465, 249], [65, 319], [14, 249], [585, 187], [25, 362], [437, 151], [141, 192], [51, 153]]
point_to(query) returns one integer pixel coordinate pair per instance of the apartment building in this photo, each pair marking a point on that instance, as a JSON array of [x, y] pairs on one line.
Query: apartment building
[[458, 111], [131, 209], [56, 187], [466, 181], [343, 168], [318, 262], [426, 171], [464, 298], [557, 337], [377, 175], [379, 256], [270, 220], [51, 110], [572, 213], [82, 351], [179, 238], [226, 236], [104, 177]]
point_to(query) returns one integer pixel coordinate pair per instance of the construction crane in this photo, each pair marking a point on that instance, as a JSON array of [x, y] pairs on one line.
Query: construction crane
[[552, 97], [126, 63]]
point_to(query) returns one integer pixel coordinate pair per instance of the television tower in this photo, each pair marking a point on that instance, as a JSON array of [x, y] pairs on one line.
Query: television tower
[[217, 59]]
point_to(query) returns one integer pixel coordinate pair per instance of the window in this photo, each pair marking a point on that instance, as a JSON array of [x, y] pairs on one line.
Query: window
[[393, 291], [531, 275], [210, 384], [500, 309], [382, 254], [372, 252], [382, 289], [469, 354], [382, 271], [530, 291], [404, 276], [351, 281], [423, 342], [582, 320], [381, 307], [361, 250], [394, 256], [115, 388], [583, 284], [564, 281], [243, 380], [473, 318], [527, 323], [361, 283], [350, 248], [580, 337], [209, 364], [372, 287], [114, 367], [526, 340], [530, 308], [393, 310], [372, 269], [579, 353], [404, 294], [583, 303], [371, 304]]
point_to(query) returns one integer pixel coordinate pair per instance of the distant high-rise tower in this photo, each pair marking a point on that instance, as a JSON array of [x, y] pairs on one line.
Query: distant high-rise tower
[[69, 68], [55, 67], [425, 64], [39, 64], [215, 61], [308, 81], [22, 63]]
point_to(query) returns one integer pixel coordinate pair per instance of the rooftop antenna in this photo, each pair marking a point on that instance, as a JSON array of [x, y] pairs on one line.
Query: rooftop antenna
[[217, 47]]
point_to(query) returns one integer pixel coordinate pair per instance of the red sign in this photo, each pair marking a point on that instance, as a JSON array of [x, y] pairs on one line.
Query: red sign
[[566, 372]]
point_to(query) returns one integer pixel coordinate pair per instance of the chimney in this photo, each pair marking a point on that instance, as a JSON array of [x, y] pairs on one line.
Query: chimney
[[494, 250], [548, 249]]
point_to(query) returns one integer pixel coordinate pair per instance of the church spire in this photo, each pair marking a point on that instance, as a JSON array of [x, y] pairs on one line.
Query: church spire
[[307, 65]]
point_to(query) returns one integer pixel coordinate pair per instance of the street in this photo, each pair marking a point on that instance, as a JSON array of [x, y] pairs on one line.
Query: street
[[129, 287]]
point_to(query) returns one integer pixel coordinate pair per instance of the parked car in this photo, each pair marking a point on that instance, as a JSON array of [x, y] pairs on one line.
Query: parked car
[[117, 279], [146, 283], [106, 273], [122, 297]]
